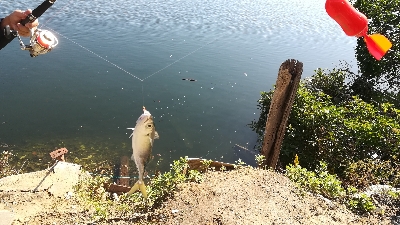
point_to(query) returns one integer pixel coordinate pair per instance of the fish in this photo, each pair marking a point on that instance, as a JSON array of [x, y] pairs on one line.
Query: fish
[[143, 136]]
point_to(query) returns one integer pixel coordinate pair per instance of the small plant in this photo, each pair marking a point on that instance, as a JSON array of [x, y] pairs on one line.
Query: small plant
[[92, 195], [296, 161], [361, 202], [239, 163], [206, 164], [222, 169], [260, 160], [195, 176]]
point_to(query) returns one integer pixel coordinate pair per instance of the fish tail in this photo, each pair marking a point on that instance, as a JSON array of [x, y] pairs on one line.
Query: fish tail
[[139, 185]]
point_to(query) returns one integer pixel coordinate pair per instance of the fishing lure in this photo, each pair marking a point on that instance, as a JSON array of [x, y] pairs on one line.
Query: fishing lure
[[354, 23], [41, 41]]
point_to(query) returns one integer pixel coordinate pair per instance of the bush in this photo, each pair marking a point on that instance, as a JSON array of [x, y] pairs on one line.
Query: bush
[[384, 18], [320, 181], [368, 172], [341, 131], [329, 186]]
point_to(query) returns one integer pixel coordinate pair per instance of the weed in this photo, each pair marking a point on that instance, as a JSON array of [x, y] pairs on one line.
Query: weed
[[329, 186], [239, 163], [260, 160], [93, 196], [206, 164]]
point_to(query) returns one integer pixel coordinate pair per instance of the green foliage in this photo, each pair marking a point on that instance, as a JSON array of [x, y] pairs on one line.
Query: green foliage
[[93, 196], [320, 181], [384, 18], [361, 202], [260, 160], [239, 164], [368, 172], [333, 85], [206, 164], [341, 131], [329, 186]]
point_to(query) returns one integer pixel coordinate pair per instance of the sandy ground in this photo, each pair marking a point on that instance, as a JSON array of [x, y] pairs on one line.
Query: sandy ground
[[244, 196]]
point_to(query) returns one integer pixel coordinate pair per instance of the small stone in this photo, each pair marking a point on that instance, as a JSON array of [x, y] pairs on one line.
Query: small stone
[[175, 211], [115, 197]]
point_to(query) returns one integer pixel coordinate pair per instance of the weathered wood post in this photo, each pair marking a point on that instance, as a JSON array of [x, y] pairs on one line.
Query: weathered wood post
[[282, 100], [123, 178]]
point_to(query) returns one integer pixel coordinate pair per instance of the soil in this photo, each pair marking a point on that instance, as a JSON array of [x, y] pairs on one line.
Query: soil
[[243, 196]]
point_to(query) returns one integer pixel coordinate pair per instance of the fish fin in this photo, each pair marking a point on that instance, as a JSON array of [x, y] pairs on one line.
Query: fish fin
[[156, 136], [133, 129], [151, 141], [139, 185]]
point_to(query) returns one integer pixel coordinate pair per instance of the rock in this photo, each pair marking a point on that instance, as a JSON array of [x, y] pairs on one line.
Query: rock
[[174, 211], [379, 189], [57, 182], [7, 217]]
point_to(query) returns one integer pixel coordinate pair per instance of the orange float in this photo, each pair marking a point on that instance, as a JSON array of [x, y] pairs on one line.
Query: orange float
[[354, 23]]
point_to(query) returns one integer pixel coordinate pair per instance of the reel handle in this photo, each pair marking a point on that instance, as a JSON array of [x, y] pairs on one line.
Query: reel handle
[[38, 11]]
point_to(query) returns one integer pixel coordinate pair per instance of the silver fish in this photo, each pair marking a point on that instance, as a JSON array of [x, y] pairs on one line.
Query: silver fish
[[143, 136]]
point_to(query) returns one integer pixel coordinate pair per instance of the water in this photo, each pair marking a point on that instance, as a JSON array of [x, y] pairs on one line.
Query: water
[[71, 97]]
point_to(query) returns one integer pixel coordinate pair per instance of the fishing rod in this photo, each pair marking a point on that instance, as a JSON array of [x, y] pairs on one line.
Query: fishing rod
[[41, 41]]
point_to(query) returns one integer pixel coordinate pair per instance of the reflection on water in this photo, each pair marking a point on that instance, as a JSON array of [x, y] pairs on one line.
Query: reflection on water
[[85, 91]]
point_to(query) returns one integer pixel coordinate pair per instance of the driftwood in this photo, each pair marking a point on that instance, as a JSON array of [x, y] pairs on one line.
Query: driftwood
[[115, 188], [282, 100]]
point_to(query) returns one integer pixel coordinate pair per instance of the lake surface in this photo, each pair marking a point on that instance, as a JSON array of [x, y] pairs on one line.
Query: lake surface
[[115, 56]]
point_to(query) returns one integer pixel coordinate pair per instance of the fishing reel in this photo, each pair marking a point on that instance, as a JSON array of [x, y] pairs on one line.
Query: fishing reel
[[41, 41]]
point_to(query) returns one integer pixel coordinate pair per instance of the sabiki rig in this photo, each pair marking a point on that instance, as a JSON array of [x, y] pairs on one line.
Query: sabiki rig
[[143, 136]]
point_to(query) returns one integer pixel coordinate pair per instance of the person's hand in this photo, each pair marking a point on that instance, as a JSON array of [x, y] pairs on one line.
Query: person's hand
[[14, 20]]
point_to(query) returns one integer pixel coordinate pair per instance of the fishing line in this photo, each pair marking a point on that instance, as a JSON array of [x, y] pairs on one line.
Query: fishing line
[[98, 55], [142, 95], [190, 53]]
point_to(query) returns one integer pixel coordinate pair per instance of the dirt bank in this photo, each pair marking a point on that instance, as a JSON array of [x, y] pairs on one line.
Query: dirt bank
[[244, 196]]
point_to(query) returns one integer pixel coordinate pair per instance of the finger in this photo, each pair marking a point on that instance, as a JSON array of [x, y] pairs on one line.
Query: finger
[[22, 30], [28, 11], [19, 14], [32, 25]]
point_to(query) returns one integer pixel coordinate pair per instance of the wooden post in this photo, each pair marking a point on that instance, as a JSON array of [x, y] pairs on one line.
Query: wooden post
[[124, 172], [282, 100]]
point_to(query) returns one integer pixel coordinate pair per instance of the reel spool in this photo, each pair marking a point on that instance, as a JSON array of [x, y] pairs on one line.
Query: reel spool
[[41, 41]]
